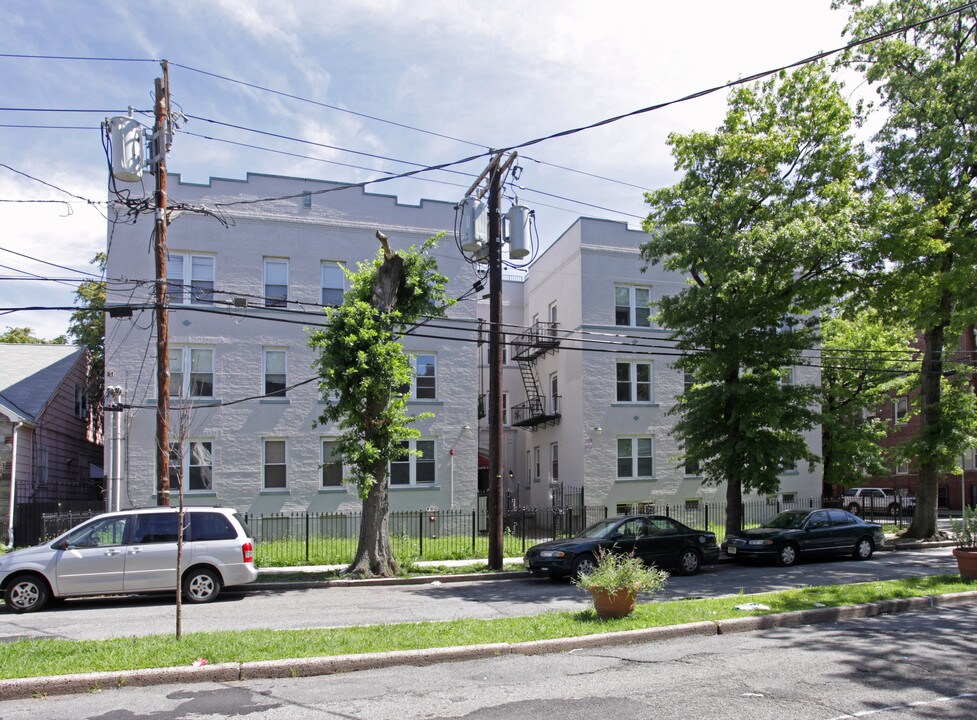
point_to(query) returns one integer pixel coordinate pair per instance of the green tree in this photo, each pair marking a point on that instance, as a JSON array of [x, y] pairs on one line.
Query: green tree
[[25, 336], [865, 358], [925, 256], [363, 371], [761, 225], [87, 327]]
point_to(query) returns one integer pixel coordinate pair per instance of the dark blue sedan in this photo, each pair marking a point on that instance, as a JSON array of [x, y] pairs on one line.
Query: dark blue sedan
[[656, 539], [801, 533]]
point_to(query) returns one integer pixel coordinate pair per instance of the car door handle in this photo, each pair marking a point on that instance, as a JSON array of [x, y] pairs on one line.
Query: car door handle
[[135, 551], [112, 553]]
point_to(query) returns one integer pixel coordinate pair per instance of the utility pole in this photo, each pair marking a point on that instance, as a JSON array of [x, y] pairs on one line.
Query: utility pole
[[495, 170], [160, 141]]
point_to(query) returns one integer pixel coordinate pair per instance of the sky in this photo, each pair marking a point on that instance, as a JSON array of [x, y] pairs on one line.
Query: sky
[[471, 76]]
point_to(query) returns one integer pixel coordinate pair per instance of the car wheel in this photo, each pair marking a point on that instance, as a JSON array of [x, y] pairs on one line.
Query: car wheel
[[201, 585], [26, 593], [689, 562], [894, 509], [853, 508], [863, 549], [787, 555], [583, 565]]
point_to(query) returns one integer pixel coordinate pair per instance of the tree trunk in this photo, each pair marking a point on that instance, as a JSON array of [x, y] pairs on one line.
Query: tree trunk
[[931, 415], [374, 557], [734, 504]]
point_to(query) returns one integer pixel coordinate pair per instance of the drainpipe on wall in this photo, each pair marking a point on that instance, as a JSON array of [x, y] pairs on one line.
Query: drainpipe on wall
[[13, 486]]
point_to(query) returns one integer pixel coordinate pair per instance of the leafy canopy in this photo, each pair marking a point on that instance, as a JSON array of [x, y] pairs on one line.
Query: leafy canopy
[[761, 224], [363, 368]]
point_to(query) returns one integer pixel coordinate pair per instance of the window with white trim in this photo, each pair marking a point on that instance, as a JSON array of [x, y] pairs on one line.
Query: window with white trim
[[275, 372], [635, 457], [333, 284], [424, 385], [189, 279], [786, 376], [276, 282], [274, 463], [414, 469], [555, 393], [81, 402], [635, 382], [332, 465], [193, 460], [537, 469], [900, 410], [505, 408], [191, 372], [632, 305], [554, 462], [902, 468]]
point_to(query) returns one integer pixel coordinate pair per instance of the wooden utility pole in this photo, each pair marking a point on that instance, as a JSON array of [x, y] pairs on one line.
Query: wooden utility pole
[[160, 140], [495, 170]]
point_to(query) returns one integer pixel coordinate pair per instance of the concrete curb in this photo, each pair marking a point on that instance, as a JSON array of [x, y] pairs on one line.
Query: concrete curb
[[307, 667], [381, 582]]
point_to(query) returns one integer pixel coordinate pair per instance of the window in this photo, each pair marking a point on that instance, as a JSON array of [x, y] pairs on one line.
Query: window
[[692, 468], [786, 377], [333, 284], [332, 465], [505, 408], [505, 349], [688, 380], [189, 279], [554, 321], [635, 457], [276, 282], [414, 469], [274, 464], [191, 372], [81, 402], [424, 385], [156, 528], [902, 468], [693, 503], [554, 462], [900, 410], [193, 460], [537, 469], [555, 393], [634, 382], [276, 362], [632, 305]]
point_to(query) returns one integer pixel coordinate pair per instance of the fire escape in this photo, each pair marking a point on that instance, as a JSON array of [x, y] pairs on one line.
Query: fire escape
[[540, 339]]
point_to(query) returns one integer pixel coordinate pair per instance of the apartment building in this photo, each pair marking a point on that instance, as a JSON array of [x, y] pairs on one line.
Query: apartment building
[[246, 277], [589, 383]]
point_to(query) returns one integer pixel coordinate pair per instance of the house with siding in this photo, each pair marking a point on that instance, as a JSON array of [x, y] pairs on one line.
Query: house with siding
[[49, 460]]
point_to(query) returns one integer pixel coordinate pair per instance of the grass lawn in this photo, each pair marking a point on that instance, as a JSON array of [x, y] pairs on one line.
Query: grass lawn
[[33, 658]]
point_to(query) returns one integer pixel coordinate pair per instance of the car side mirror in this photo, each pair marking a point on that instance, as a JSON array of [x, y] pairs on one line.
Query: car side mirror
[[60, 545]]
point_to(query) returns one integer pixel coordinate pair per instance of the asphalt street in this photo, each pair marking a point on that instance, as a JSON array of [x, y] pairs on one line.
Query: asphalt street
[[360, 605], [908, 666]]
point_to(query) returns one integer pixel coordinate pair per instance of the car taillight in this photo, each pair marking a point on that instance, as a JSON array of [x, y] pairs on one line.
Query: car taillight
[[248, 550]]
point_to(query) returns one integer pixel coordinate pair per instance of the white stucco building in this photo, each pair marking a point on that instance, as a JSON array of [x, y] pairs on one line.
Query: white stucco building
[[242, 383], [591, 343], [241, 369]]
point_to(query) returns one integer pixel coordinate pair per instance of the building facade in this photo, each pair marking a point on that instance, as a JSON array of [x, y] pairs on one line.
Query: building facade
[[49, 458], [604, 381], [588, 380], [243, 392]]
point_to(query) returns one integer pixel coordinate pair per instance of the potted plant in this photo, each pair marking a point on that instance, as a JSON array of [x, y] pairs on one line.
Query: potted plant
[[965, 534], [616, 581]]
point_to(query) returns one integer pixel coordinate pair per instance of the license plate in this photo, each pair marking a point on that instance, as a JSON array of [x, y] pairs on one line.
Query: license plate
[[731, 550]]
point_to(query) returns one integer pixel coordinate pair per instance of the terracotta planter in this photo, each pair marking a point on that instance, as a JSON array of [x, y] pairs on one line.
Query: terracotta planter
[[966, 562], [620, 604]]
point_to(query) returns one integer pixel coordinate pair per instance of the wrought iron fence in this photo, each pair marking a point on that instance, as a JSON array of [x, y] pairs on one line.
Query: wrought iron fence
[[303, 538]]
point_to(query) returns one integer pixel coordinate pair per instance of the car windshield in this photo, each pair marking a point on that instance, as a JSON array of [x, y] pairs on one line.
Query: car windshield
[[599, 530], [787, 521]]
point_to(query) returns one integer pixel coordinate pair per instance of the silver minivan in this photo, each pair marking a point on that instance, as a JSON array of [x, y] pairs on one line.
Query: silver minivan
[[133, 551]]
